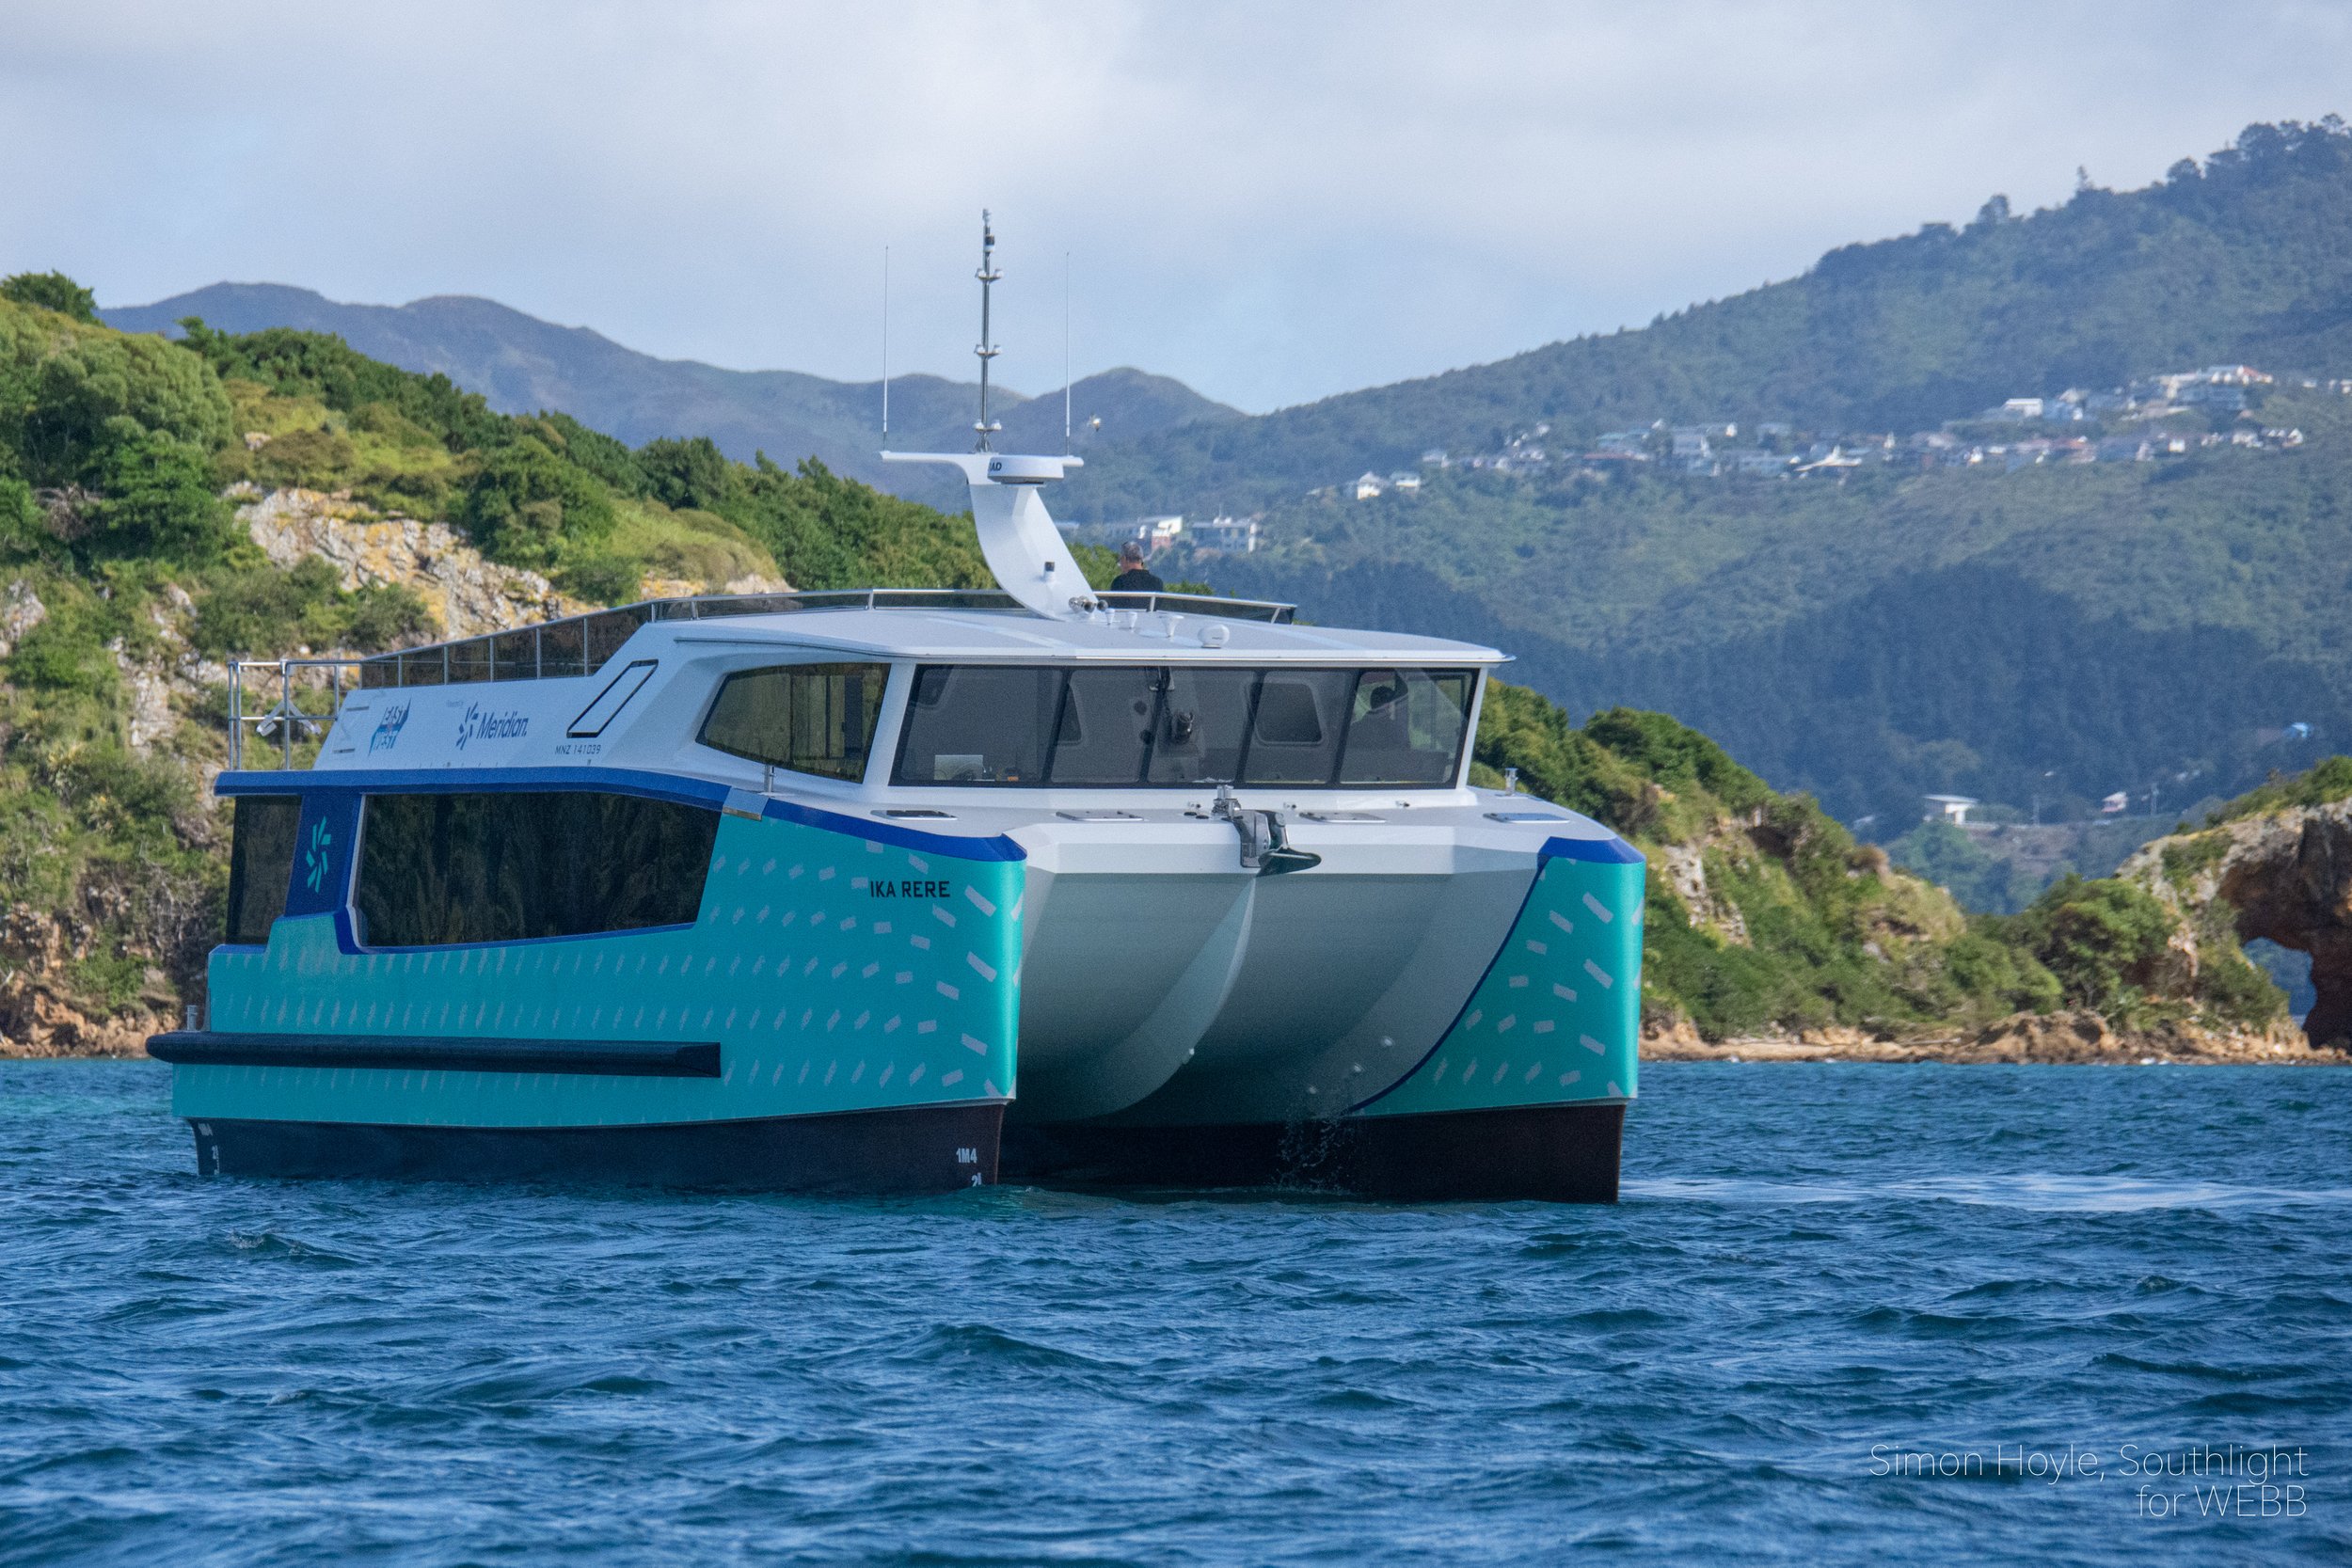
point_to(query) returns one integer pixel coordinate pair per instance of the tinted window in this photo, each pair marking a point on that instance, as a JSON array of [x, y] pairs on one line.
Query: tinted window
[[975, 725], [1105, 726], [260, 860], [1203, 719], [1406, 727], [809, 718], [1301, 715], [1104, 734], [449, 868]]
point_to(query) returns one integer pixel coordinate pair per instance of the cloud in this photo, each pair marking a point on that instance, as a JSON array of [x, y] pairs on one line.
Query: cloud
[[1272, 202]]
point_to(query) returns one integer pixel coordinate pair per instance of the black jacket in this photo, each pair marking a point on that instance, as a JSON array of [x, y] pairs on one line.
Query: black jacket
[[1140, 580]]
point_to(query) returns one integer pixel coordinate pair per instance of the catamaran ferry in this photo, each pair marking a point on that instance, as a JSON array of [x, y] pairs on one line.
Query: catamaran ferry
[[909, 888]]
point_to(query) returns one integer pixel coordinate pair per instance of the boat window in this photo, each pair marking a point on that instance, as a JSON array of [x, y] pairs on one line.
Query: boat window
[[440, 869], [809, 718], [1099, 727], [1301, 715], [1406, 727], [1203, 719], [979, 725], [260, 861], [1104, 734]]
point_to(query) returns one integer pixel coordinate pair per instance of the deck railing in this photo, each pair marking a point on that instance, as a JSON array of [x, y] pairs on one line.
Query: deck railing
[[581, 645], [279, 701]]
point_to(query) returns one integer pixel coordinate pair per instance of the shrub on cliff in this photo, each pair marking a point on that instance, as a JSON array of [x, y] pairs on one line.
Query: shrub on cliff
[[2104, 941], [2319, 785], [50, 290], [527, 507], [72, 395], [1804, 927], [261, 611]]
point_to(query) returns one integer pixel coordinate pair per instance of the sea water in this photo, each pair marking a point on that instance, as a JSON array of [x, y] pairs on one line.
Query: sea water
[[1845, 1313]]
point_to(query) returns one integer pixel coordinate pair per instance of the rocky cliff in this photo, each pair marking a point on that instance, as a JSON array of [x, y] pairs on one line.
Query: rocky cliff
[[2282, 873], [170, 695]]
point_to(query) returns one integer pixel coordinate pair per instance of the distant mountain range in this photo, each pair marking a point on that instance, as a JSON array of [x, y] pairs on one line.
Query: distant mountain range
[[521, 365], [2055, 635], [2247, 257]]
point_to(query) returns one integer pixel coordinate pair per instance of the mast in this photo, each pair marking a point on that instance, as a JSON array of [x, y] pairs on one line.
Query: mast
[[986, 351], [1024, 549]]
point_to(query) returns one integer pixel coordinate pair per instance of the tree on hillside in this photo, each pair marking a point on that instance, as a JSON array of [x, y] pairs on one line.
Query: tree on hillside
[[50, 290]]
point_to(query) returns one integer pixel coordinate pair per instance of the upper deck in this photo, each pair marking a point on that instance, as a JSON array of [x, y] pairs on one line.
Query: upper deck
[[892, 689], [582, 645]]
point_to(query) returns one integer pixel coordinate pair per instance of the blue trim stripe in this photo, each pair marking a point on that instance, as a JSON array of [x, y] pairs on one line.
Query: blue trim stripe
[[1610, 850], [608, 780]]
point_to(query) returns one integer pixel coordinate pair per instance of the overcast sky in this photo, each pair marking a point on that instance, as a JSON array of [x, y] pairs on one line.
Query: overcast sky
[[1273, 201]]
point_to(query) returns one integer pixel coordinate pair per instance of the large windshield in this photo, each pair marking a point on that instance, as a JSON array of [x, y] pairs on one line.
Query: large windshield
[[1132, 725]]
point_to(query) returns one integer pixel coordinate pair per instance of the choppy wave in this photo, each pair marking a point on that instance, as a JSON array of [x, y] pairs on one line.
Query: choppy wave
[[1817, 1267]]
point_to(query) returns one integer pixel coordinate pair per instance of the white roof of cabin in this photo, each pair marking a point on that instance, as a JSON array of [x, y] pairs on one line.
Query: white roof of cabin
[[988, 636]]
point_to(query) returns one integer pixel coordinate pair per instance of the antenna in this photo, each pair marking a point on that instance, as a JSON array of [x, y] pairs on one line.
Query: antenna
[[886, 340], [1065, 351], [986, 351]]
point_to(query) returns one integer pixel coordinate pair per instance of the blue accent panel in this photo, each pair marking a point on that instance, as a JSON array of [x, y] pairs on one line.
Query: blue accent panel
[[834, 975], [1556, 1019], [328, 829], [1611, 850], [610, 781]]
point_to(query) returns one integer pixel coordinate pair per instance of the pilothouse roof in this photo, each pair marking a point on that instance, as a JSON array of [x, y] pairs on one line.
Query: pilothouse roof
[[1121, 638]]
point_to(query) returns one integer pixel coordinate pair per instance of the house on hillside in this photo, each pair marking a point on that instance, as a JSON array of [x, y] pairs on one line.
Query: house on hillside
[[1157, 533], [1690, 440], [1226, 535], [1623, 443], [1367, 486], [1950, 808], [1404, 481]]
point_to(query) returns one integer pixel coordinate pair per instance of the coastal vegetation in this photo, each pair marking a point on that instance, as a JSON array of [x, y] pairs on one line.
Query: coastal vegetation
[[2057, 632], [1765, 915], [126, 576], [127, 571]]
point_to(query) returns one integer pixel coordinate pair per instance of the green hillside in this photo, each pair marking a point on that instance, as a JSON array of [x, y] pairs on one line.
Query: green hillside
[[2245, 257], [522, 365], [2061, 632], [2057, 633], [124, 575]]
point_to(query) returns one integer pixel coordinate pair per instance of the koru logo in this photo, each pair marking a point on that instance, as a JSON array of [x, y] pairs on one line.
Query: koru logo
[[478, 725], [316, 859], [388, 729]]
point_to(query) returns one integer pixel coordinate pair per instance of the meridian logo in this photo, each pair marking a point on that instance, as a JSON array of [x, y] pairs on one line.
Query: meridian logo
[[388, 729], [478, 725], [315, 859]]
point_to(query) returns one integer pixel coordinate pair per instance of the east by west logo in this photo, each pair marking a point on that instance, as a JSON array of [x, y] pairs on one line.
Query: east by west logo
[[388, 729], [478, 725]]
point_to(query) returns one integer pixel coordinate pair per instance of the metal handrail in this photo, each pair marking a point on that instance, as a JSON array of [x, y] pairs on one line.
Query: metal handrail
[[580, 645], [521, 653], [286, 721]]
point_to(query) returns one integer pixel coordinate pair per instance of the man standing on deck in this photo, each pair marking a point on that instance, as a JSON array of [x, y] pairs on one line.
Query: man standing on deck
[[1133, 575]]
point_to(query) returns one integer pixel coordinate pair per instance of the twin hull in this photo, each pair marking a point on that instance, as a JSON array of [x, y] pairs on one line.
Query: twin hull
[[860, 1004]]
